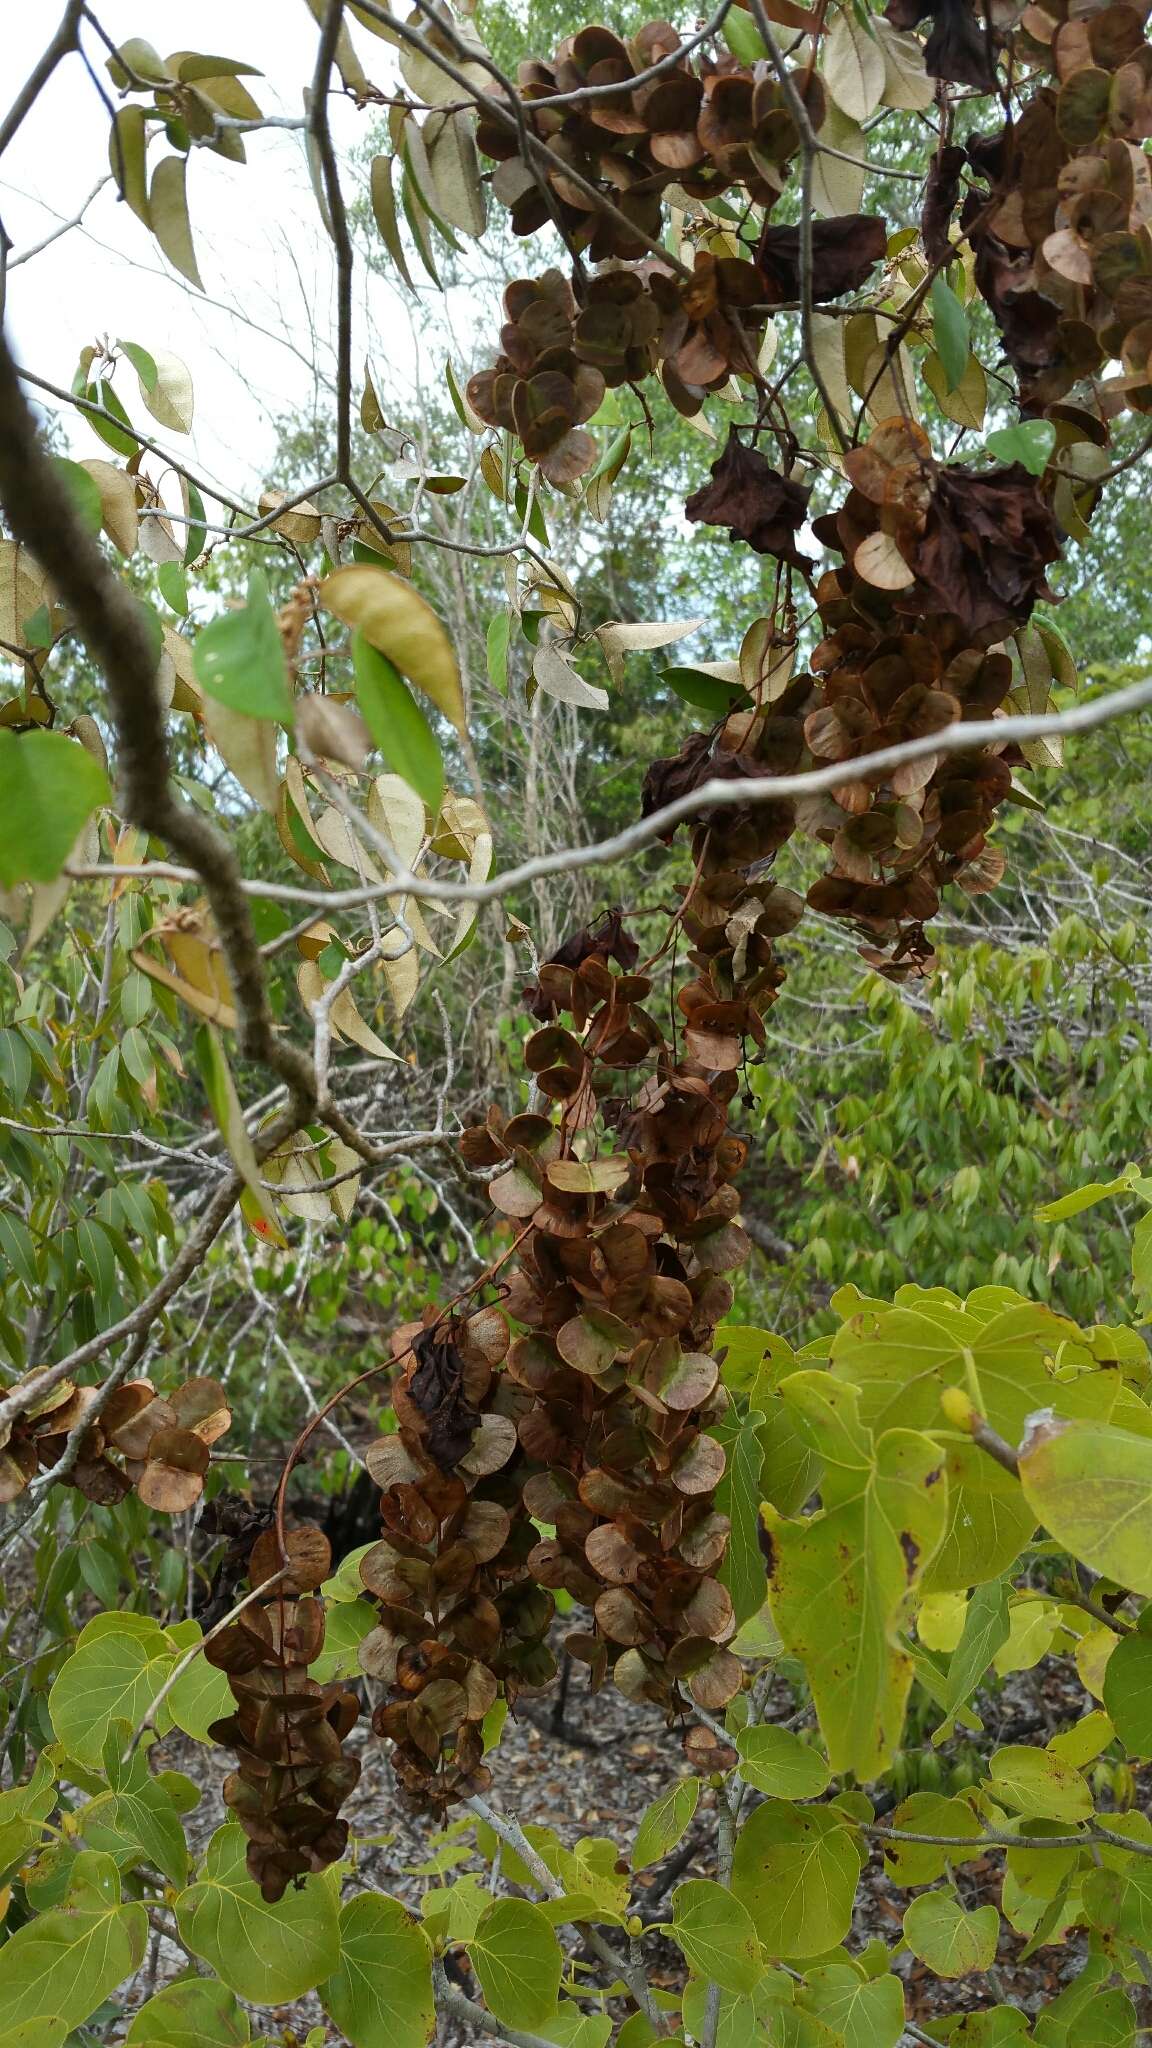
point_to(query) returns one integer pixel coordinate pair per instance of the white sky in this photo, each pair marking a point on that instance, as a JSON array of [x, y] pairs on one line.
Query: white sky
[[260, 247]]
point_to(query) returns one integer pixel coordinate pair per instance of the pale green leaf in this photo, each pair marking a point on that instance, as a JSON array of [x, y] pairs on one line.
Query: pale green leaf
[[1091, 1486], [168, 217], [796, 1870], [380, 1995], [952, 1942], [517, 1958], [665, 1822], [267, 1954], [717, 1934], [777, 1762], [193, 2013]]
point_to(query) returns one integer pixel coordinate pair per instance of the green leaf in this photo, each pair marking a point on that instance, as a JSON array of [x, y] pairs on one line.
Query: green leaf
[[123, 437], [949, 331], [197, 532], [1086, 1197], [173, 586], [571, 2028], [839, 1579], [1039, 1784], [188, 2014], [49, 787], [1029, 442], [221, 1092], [200, 1696], [348, 1623], [743, 1571], [397, 723], [707, 693], [142, 362], [952, 1942], [266, 1954], [776, 1762], [114, 1674], [397, 621], [665, 1822], [986, 1628], [496, 643], [380, 1995], [239, 658], [1091, 1486], [63, 1964], [928, 1813], [137, 1813], [717, 1934], [83, 491], [796, 1870], [743, 37], [1128, 1692], [867, 2011], [127, 144], [989, 1522], [517, 1958]]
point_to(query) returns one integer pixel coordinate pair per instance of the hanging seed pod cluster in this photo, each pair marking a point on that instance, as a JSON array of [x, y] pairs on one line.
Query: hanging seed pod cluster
[[593, 1421], [568, 1437], [287, 1731], [158, 1445]]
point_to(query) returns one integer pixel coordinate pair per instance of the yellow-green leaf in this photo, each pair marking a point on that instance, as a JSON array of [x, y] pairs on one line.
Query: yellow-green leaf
[[168, 216], [394, 617], [1091, 1486]]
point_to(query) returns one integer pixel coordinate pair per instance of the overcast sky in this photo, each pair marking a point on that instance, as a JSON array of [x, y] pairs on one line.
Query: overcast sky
[[261, 250]]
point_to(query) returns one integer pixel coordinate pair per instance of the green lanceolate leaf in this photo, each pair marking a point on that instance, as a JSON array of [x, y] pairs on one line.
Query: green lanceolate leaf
[[380, 1996], [496, 646], [717, 1934], [743, 1571], [397, 723], [1128, 1692], [220, 1089], [49, 787], [517, 1958], [168, 216], [264, 1953], [665, 1822], [239, 658], [949, 331], [707, 693], [986, 1628]]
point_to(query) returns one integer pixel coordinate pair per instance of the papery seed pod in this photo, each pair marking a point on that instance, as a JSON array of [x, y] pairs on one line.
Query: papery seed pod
[[287, 1730]]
